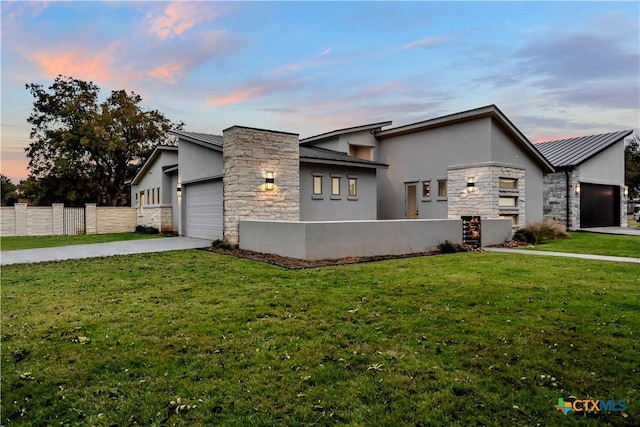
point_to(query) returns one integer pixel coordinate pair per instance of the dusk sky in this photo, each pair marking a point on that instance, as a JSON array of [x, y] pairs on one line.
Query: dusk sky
[[556, 69]]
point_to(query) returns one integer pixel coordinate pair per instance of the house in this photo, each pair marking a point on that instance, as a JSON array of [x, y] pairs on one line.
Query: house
[[587, 189], [152, 189], [474, 162]]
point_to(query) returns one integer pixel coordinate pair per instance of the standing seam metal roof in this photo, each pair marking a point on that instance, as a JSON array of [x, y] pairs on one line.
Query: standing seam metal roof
[[203, 137], [574, 151]]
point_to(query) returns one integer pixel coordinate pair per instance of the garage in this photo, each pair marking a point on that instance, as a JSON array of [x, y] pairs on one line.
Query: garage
[[203, 210], [599, 205]]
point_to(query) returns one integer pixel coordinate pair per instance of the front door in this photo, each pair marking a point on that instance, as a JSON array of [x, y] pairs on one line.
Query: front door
[[412, 202]]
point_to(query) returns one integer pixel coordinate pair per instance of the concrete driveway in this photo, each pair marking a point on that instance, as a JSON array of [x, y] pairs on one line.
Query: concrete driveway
[[95, 250], [628, 231]]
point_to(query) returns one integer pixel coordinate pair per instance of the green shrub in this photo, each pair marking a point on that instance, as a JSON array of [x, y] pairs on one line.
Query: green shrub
[[141, 229], [448, 247], [524, 235], [220, 244]]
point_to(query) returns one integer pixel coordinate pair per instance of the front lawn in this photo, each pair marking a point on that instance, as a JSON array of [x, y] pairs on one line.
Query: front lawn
[[32, 242], [594, 243], [197, 338]]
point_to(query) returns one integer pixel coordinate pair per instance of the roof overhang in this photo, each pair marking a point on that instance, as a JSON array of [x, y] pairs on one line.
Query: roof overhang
[[194, 139], [373, 127], [490, 111], [343, 163]]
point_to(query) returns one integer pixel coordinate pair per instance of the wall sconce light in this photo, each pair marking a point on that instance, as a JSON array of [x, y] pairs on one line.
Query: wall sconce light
[[578, 188], [626, 192], [269, 181], [471, 184], [179, 191]]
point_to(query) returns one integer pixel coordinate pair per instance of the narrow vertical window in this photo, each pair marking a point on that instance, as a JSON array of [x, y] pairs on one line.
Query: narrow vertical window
[[335, 185], [426, 189], [442, 188], [158, 189], [353, 187], [317, 185]]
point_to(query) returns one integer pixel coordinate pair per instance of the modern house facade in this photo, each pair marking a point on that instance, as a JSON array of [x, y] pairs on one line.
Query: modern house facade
[[587, 189], [472, 163]]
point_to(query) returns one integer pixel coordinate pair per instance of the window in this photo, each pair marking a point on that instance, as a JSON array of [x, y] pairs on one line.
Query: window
[[361, 152], [508, 183], [442, 188], [426, 189], [136, 198], [353, 187], [148, 198], [513, 218], [508, 202], [317, 185], [335, 185], [158, 190], [153, 196]]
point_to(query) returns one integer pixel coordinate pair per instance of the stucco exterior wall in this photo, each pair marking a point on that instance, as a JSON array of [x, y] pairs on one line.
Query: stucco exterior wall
[[315, 240], [198, 162], [248, 155], [155, 178], [605, 168], [331, 208], [425, 156]]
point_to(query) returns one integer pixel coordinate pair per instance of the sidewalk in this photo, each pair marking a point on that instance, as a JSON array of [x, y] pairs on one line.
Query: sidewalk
[[564, 254], [128, 247]]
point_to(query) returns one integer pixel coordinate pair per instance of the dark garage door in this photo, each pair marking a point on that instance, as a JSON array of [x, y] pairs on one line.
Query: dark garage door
[[599, 205]]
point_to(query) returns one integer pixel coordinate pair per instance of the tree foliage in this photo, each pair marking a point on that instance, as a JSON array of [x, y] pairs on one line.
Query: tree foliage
[[632, 166], [85, 150], [8, 190]]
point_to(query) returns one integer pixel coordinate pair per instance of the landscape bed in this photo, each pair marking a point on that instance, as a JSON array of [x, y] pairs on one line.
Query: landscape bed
[[198, 338]]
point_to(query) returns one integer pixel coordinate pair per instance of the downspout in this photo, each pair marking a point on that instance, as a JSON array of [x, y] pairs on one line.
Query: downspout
[[566, 174]]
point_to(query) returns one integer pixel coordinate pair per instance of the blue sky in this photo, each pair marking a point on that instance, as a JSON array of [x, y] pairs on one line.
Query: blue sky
[[556, 69]]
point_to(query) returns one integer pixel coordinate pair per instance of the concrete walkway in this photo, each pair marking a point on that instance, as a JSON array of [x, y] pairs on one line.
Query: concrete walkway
[[564, 254], [27, 256], [626, 231]]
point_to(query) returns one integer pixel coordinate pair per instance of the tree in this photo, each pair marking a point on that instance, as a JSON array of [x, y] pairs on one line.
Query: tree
[[632, 166], [85, 150], [8, 190]]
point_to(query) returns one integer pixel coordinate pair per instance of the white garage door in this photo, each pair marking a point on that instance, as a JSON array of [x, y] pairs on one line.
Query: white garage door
[[204, 210]]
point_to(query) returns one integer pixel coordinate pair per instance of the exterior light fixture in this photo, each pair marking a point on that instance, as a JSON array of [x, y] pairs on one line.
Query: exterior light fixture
[[471, 184], [269, 181], [578, 188], [626, 192]]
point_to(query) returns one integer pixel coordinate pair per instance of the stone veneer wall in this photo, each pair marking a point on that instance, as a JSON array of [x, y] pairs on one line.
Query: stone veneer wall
[[111, 219], [623, 209], [248, 155], [484, 201], [555, 198], [159, 217]]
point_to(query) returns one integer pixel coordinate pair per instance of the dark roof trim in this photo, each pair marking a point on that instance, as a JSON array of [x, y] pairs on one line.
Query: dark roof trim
[[338, 132], [170, 168], [152, 158], [205, 179], [332, 157], [489, 111], [260, 130], [203, 139], [571, 152]]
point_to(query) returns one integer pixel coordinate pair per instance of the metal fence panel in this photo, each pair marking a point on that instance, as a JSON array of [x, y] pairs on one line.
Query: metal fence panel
[[74, 221]]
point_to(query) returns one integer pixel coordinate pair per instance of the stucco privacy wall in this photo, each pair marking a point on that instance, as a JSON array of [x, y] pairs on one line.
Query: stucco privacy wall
[[248, 155], [23, 220], [314, 240]]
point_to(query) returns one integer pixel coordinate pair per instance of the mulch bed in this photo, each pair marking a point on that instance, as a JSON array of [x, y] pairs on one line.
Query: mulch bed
[[294, 263]]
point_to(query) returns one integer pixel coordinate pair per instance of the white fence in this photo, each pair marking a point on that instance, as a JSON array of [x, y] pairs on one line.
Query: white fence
[[23, 220]]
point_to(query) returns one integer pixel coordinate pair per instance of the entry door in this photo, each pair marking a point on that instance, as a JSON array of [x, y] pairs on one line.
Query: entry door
[[412, 201]]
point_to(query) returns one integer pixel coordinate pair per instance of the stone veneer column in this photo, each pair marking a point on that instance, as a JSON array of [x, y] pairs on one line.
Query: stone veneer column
[[21, 218], [90, 218], [248, 155], [58, 218]]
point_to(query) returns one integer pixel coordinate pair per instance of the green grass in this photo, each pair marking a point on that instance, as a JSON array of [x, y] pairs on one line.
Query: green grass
[[461, 339], [594, 243], [32, 242]]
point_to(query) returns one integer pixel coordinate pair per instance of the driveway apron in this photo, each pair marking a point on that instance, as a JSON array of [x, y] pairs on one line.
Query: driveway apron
[[27, 256]]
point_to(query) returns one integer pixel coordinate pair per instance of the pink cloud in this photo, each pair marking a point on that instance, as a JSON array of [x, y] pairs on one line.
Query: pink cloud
[[168, 73], [179, 17], [235, 97], [426, 42], [76, 63]]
